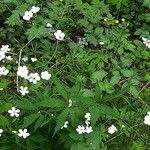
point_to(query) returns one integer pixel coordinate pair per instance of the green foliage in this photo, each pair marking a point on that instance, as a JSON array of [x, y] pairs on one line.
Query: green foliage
[[107, 76]]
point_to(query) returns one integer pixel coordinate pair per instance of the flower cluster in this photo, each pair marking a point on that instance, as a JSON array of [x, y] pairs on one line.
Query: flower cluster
[[3, 50], [25, 59], [65, 125], [22, 132], [3, 71], [32, 77], [29, 14], [147, 119], [112, 129], [23, 72], [146, 42], [82, 42], [48, 25], [85, 129]]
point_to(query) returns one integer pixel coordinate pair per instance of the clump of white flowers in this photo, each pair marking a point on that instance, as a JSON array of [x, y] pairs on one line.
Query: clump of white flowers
[[23, 71], [24, 90], [3, 50], [65, 125], [35, 9], [29, 14], [82, 42], [34, 78], [33, 59], [23, 133], [14, 112], [85, 129], [1, 131], [146, 42], [9, 58], [25, 59], [3, 71], [48, 25], [45, 75], [2, 55], [147, 119], [112, 129], [101, 43], [59, 35]]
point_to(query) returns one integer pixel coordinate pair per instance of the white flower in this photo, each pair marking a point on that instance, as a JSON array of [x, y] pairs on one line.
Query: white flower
[[59, 35], [70, 103], [1, 131], [48, 25], [9, 58], [101, 43], [34, 77], [25, 59], [146, 42], [35, 9], [80, 129], [5, 48], [27, 15], [23, 133], [88, 129], [88, 116], [22, 71], [1, 89], [148, 112], [65, 125], [24, 90], [123, 126], [45, 75], [33, 59], [147, 119], [3, 71], [112, 129], [2, 55], [14, 112]]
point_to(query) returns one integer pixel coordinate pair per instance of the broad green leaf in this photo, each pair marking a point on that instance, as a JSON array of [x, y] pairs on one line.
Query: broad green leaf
[[39, 122], [134, 91], [60, 87], [98, 75], [61, 120], [127, 73], [4, 121], [30, 119], [24, 104], [146, 3], [115, 79], [87, 93], [51, 103]]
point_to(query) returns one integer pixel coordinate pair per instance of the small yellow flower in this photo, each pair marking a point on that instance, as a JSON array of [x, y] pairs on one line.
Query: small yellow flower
[[117, 21], [123, 20], [61, 0]]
